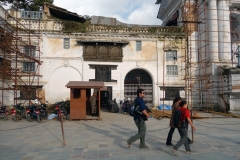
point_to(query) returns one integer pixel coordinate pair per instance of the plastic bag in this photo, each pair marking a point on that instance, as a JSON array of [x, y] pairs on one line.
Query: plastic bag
[[166, 107], [51, 116]]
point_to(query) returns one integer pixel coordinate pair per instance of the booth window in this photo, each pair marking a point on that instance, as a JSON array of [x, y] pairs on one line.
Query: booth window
[[76, 93]]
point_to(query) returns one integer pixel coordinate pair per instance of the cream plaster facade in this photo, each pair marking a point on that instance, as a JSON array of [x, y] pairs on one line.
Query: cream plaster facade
[[59, 65], [63, 65]]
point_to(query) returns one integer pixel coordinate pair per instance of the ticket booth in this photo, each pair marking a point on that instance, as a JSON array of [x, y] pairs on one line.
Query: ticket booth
[[80, 93]]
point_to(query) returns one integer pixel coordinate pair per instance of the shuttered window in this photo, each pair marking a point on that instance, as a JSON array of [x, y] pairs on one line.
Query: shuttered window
[[66, 43], [31, 14], [172, 70], [171, 55], [138, 45], [29, 50], [28, 66]]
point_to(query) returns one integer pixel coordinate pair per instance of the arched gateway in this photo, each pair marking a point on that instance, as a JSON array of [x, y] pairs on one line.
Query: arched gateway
[[139, 78]]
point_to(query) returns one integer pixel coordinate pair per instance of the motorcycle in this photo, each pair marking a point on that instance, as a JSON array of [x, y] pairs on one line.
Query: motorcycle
[[126, 105], [18, 112], [33, 112], [3, 113], [43, 111], [60, 111]]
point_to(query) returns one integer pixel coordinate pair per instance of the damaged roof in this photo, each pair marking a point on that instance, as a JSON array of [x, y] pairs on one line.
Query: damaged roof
[[64, 14], [114, 22]]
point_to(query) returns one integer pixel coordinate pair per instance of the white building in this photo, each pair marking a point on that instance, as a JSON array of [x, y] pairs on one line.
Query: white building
[[212, 30], [124, 56]]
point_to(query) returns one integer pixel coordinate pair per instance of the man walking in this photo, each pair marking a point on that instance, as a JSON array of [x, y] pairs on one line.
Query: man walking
[[93, 100], [140, 121]]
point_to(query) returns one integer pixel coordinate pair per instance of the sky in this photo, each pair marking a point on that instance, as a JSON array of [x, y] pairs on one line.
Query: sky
[[128, 11]]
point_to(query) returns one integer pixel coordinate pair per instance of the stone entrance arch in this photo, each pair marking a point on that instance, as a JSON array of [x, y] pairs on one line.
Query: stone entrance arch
[[59, 79], [139, 78]]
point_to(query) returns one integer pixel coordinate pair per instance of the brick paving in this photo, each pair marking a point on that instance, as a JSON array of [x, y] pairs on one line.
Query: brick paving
[[215, 138]]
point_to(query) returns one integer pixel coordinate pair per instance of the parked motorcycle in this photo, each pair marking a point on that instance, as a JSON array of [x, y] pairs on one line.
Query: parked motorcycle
[[33, 112], [43, 111], [126, 105], [3, 113], [112, 106], [18, 112], [61, 111]]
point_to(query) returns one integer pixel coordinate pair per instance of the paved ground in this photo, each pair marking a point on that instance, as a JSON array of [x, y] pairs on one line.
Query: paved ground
[[215, 138]]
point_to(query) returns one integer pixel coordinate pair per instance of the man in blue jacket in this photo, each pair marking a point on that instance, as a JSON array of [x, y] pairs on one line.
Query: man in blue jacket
[[140, 121]]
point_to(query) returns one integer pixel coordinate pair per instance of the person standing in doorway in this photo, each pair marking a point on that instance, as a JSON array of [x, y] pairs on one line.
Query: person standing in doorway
[[140, 121], [183, 129], [175, 106], [93, 102]]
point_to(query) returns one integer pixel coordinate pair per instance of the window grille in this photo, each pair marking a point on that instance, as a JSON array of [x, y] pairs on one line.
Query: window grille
[[171, 55], [29, 50], [138, 45], [172, 70], [66, 43], [31, 14], [26, 93], [28, 66]]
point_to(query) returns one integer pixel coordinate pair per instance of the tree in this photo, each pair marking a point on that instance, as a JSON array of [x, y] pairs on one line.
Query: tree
[[28, 5]]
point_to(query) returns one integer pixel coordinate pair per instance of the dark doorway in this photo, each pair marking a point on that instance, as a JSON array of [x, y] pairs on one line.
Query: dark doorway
[[135, 79], [105, 96]]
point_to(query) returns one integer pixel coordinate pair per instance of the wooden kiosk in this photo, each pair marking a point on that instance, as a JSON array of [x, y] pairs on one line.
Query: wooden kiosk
[[80, 93]]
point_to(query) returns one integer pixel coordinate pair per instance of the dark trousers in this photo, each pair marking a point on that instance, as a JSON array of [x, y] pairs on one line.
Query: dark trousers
[[169, 138], [183, 131]]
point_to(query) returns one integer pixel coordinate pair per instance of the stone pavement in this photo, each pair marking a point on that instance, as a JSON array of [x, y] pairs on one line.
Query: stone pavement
[[215, 138]]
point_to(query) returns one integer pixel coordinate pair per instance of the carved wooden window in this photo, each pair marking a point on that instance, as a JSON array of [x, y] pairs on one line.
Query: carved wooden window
[[103, 72], [138, 45], [66, 43], [102, 51], [172, 70], [171, 55], [171, 93]]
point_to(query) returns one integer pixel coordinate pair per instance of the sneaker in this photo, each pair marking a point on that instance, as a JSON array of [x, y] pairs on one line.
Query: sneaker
[[170, 144], [174, 152], [188, 152]]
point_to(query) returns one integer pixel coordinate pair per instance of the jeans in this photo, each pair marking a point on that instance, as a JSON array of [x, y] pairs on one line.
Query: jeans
[[183, 131], [141, 125]]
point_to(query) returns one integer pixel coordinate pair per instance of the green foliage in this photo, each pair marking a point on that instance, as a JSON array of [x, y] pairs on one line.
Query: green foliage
[[71, 26], [28, 5]]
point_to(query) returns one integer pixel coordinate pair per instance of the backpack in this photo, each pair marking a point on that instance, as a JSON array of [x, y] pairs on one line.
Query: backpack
[[177, 118], [134, 109]]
